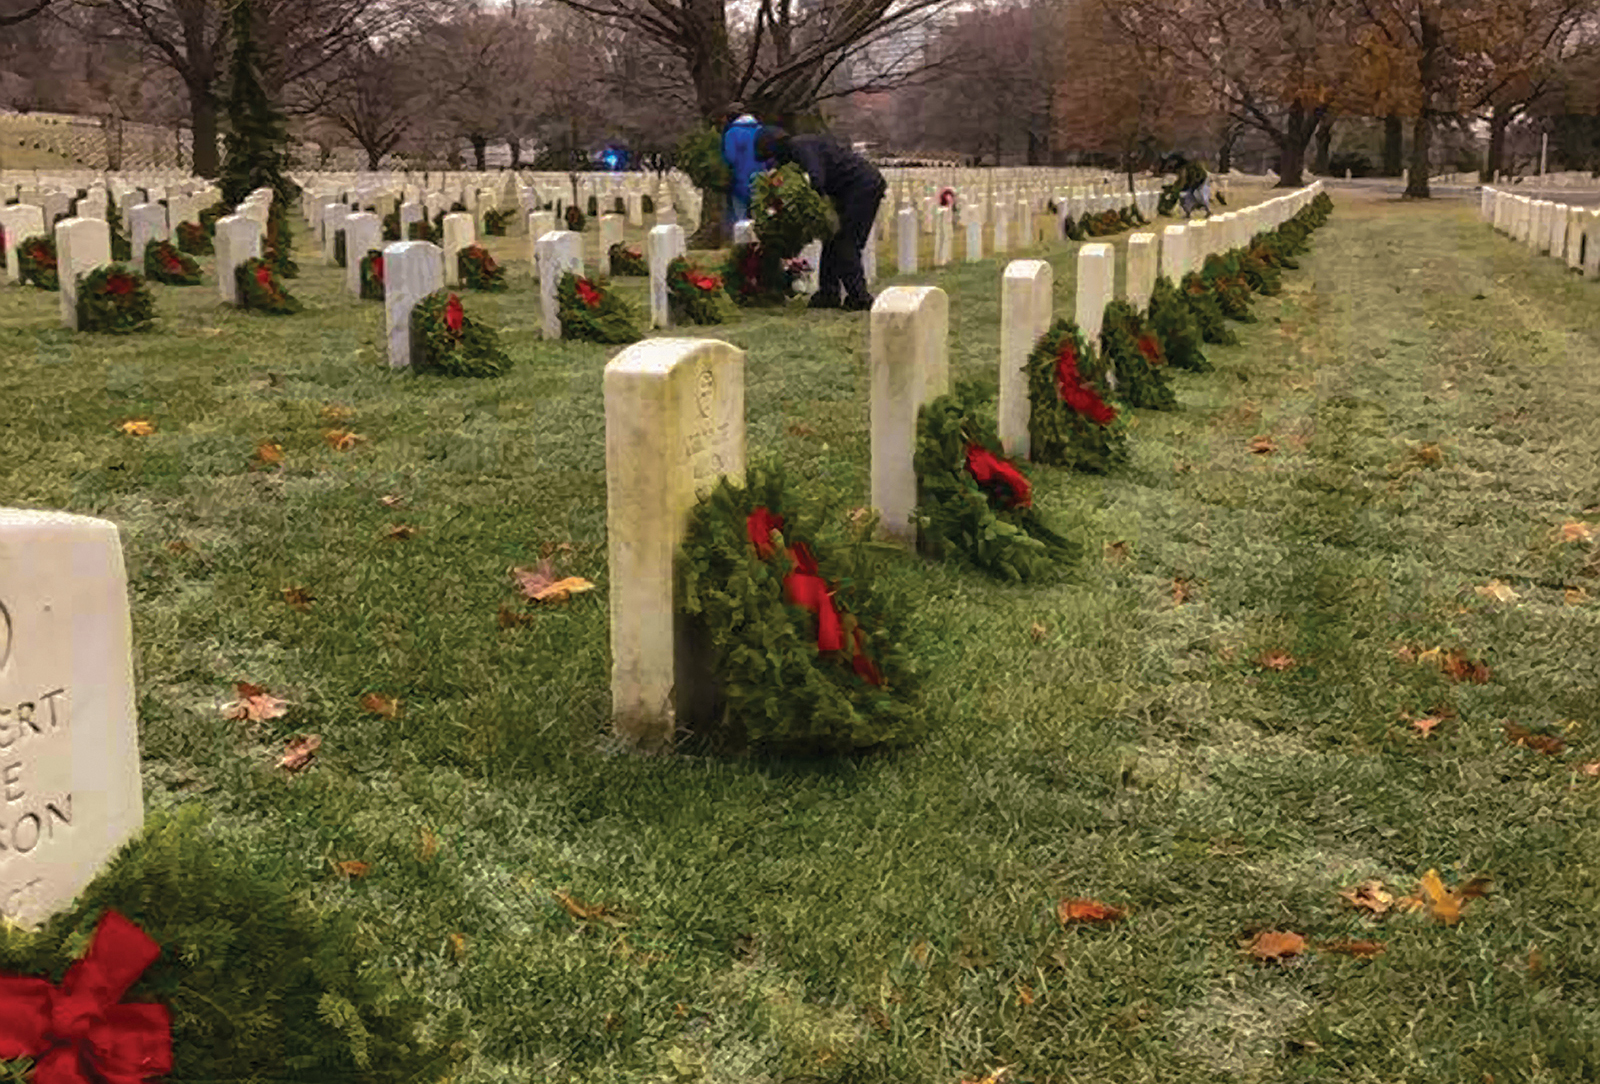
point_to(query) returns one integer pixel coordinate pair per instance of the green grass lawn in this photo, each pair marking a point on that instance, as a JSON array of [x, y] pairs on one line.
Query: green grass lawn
[[1430, 388]]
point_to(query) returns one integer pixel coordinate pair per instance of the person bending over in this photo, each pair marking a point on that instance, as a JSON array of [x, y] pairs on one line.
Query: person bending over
[[855, 188]]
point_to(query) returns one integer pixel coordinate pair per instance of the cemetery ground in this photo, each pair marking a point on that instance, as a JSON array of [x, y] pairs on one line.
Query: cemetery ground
[[1376, 512]]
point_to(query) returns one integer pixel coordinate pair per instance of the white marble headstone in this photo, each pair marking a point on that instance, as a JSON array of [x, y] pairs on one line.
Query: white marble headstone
[[362, 233], [910, 365], [237, 239], [556, 253], [20, 222], [411, 271], [82, 244]]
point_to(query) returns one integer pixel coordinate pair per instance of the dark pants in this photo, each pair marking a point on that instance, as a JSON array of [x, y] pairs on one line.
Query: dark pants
[[841, 253]]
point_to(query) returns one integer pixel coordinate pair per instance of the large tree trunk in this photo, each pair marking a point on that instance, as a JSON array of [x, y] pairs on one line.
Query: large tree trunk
[[203, 129], [516, 151], [1297, 131], [1499, 121], [374, 156], [1430, 76], [1421, 148], [1324, 146], [480, 146], [1394, 138]]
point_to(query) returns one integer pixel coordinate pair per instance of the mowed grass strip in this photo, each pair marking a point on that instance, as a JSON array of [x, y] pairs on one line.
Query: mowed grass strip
[[1207, 725]]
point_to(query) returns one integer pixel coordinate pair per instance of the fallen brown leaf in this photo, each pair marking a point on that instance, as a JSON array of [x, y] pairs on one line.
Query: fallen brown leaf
[[299, 751], [1429, 455], [352, 868], [298, 597], [458, 946], [268, 455], [1275, 945], [1116, 552], [335, 414], [1575, 596], [1263, 445], [1592, 768], [1025, 995], [1038, 632], [427, 845], [139, 427], [342, 440], [378, 704], [1182, 590], [1275, 660], [1548, 744], [1535, 960], [392, 500], [1370, 896], [254, 704], [1439, 901], [920, 952], [1364, 950], [402, 531], [541, 585], [1459, 667], [801, 431], [1080, 910], [1575, 532], [586, 912], [1425, 725], [1497, 591]]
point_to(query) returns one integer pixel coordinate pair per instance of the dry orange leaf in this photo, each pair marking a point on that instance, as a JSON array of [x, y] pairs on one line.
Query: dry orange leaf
[[1575, 532], [1439, 901], [920, 952], [586, 912], [1548, 744], [1425, 725], [1263, 446], [1275, 660], [1025, 995], [378, 704], [402, 531], [334, 414], [1364, 950], [428, 845], [1592, 768], [352, 868], [342, 440], [1430, 455], [1275, 945], [1575, 596], [1181, 591], [1080, 910], [1458, 666], [541, 585], [268, 454], [458, 945], [254, 704], [299, 751], [392, 500], [1497, 591], [298, 597], [1370, 896], [138, 427]]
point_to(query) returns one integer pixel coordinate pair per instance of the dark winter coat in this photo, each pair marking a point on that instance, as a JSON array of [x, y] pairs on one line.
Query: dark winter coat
[[835, 170]]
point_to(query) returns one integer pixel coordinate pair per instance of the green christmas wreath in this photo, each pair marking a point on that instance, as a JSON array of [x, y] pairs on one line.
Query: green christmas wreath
[[1134, 353], [787, 213], [575, 218], [193, 239], [478, 270], [260, 290], [495, 221], [1071, 422], [421, 230], [1174, 322], [1229, 286], [693, 296], [592, 313], [1273, 249], [372, 288], [391, 225], [755, 276], [164, 263], [36, 262], [445, 340], [256, 984], [209, 216], [627, 262], [339, 257], [1207, 311], [114, 299], [1072, 229], [803, 652], [121, 247], [972, 502], [278, 243], [1262, 276]]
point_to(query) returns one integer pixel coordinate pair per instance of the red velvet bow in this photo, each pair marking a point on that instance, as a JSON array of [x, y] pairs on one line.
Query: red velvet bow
[[703, 281], [119, 284], [987, 469], [453, 315], [1075, 394], [759, 525], [1151, 349], [264, 276], [805, 588], [377, 269], [77, 1033], [589, 295]]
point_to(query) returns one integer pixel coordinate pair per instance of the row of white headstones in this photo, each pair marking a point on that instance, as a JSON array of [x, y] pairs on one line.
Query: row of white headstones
[[675, 425], [1556, 229]]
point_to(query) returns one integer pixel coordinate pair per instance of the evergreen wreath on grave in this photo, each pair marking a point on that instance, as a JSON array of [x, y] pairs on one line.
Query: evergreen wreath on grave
[[1071, 421], [209, 215], [114, 299], [372, 288], [693, 296], [260, 290], [1272, 249], [121, 247], [647, 204], [575, 219], [1174, 322], [1261, 276], [1103, 224], [421, 230], [391, 225], [339, 256], [804, 662], [478, 270], [1132, 350], [494, 222], [276, 246], [165, 264], [699, 155], [36, 262], [754, 276], [594, 206], [445, 340], [1132, 216], [787, 213], [627, 262], [947, 198], [194, 240], [197, 967], [593, 313], [1207, 311], [1229, 286], [1072, 228], [456, 208], [975, 504]]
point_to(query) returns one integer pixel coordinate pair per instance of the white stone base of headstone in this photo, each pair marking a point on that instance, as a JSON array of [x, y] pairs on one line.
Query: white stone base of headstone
[[910, 366], [674, 427], [411, 271], [70, 767]]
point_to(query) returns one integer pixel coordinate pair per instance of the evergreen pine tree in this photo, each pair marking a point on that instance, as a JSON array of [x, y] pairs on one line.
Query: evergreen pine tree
[[254, 152]]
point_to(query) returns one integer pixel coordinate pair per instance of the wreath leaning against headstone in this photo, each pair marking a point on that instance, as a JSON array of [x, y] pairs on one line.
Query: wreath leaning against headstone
[[591, 312], [165, 264], [1071, 421], [113, 299], [36, 262], [787, 213], [446, 340]]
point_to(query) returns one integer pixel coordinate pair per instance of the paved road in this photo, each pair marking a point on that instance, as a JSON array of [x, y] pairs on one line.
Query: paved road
[[1389, 186]]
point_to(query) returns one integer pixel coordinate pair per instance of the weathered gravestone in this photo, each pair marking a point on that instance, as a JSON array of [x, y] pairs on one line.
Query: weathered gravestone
[[70, 793], [19, 222], [1025, 312], [1001, 227], [674, 426], [869, 256], [943, 229], [1174, 253], [539, 224], [610, 234], [906, 241], [974, 239], [82, 244], [146, 222], [363, 233], [812, 257], [664, 244], [411, 271], [910, 366], [556, 253], [238, 239], [1141, 279], [458, 235]]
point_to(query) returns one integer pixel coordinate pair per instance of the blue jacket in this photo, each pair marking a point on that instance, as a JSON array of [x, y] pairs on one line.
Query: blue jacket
[[739, 151]]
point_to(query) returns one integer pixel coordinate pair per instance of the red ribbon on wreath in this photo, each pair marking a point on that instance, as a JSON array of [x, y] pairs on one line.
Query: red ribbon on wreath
[[454, 317], [117, 285], [947, 197], [589, 295], [1077, 395], [702, 281], [989, 470], [377, 268], [170, 260], [1150, 347], [805, 587], [77, 1033]]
